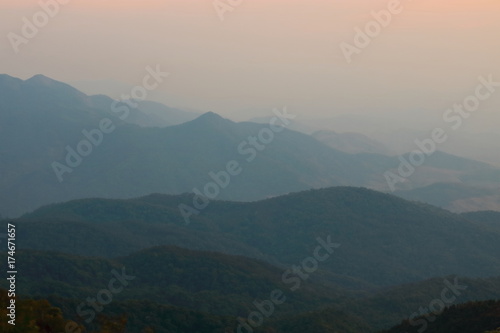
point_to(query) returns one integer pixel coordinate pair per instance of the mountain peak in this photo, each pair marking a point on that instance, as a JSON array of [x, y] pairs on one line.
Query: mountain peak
[[7, 77], [42, 91], [7, 80], [210, 116], [42, 80], [208, 121], [45, 84]]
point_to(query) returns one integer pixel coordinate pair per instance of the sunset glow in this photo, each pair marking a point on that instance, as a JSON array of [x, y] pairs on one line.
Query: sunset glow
[[451, 41]]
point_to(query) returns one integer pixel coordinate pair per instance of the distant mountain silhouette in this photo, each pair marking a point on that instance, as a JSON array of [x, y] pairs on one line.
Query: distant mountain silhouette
[[456, 197], [47, 126], [353, 143]]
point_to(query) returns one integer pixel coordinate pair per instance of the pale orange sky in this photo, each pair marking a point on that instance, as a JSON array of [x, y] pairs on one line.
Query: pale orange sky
[[269, 53]]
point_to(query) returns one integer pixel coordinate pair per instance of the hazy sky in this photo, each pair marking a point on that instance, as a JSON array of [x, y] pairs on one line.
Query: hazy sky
[[270, 53]]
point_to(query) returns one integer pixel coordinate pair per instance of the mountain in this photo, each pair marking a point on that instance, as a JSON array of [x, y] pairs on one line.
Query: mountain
[[220, 288], [201, 281], [294, 124], [59, 144], [379, 234], [487, 219], [42, 131], [456, 197], [389, 307], [352, 143], [164, 116], [176, 283], [135, 115], [42, 315], [475, 317], [144, 113], [399, 134]]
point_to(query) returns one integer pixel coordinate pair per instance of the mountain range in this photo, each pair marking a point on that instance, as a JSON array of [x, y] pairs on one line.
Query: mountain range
[[378, 234], [220, 288], [59, 144], [211, 220]]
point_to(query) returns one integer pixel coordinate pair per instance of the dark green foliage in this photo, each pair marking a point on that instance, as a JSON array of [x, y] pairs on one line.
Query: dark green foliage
[[487, 219], [201, 281], [379, 234], [332, 320], [175, 287], [41, 316], [389, 306], [32, 316], [474, 317]]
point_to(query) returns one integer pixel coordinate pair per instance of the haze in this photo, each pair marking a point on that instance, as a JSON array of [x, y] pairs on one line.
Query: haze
[[269, 54]]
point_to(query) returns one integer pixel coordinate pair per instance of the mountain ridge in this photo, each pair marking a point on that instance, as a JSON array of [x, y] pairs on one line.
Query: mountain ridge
[[283, 230], [39, 130]]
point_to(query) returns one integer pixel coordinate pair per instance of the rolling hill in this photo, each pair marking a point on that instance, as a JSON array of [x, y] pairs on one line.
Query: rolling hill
[[163, 283], [476, 317], [379, 233], [456, 197]]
